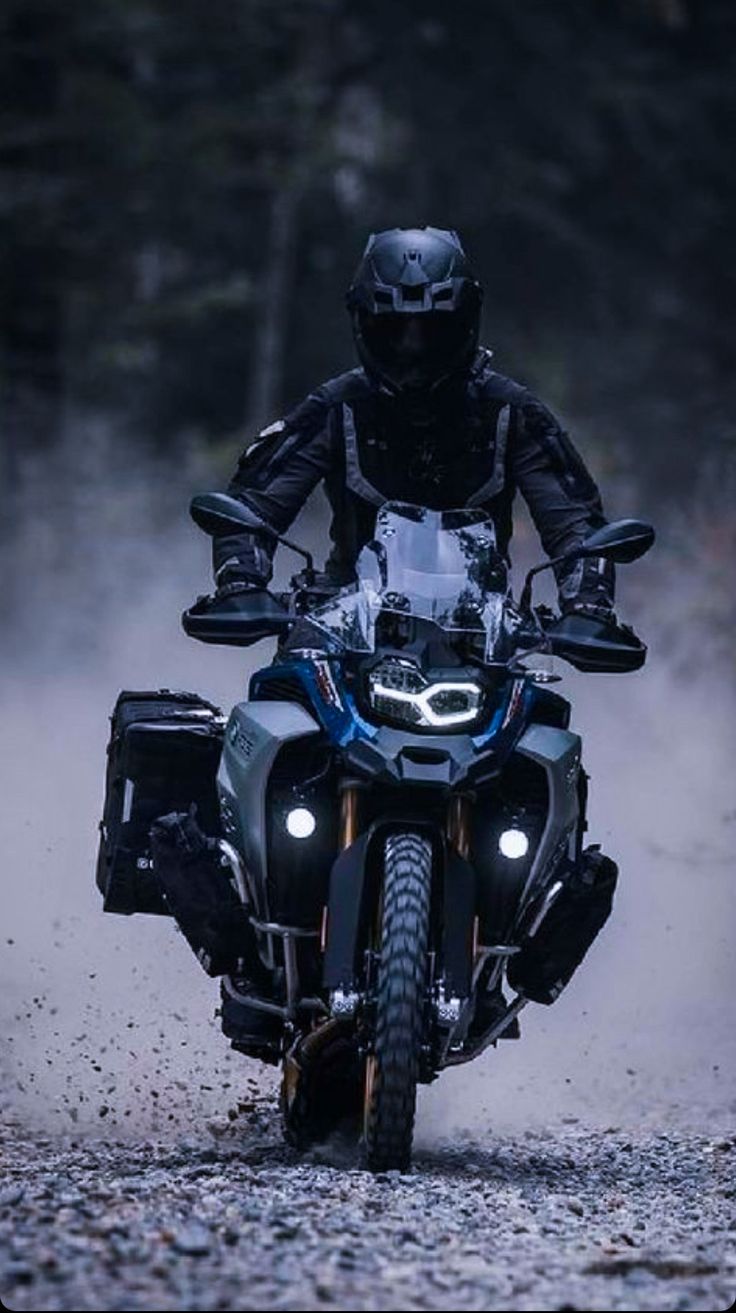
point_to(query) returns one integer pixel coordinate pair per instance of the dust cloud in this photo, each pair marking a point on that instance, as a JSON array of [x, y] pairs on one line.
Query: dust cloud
[[644, 1033], [107, 1022]]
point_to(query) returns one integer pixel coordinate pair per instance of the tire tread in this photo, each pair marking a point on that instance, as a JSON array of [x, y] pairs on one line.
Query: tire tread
[[401, 999]]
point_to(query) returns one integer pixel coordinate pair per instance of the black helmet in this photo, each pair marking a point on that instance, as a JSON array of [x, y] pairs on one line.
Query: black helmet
[[415, 306]]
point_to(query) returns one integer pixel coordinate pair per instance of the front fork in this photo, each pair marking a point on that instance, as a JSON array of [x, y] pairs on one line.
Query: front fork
[[348, 831], [457, 835], [459, 813], [458, 830], [457, 1013], [458, 824]]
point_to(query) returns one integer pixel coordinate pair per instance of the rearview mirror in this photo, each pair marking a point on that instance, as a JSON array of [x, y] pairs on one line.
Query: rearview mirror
[[622, 541], [217, 512]]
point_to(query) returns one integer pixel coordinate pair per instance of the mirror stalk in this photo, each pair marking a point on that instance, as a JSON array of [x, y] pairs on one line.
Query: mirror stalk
[[301, 551], [621, 541], [219, 513], [525, 601]]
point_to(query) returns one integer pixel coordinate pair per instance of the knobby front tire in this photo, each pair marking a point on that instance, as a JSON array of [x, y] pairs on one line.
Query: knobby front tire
[[393, 1069]]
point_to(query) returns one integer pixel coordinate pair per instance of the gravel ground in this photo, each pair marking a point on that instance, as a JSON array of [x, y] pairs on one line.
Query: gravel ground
[[571, 1219]]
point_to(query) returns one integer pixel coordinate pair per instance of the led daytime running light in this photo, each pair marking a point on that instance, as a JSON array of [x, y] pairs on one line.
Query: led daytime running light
[[422, 701]]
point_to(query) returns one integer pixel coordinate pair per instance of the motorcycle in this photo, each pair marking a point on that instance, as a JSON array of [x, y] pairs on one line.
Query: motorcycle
[[402, 810]]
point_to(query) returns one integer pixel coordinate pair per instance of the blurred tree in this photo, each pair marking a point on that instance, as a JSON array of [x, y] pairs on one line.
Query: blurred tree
[[188, 186], [31, 265]]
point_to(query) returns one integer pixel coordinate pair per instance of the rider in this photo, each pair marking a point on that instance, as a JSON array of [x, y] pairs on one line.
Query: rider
[[424, 419]]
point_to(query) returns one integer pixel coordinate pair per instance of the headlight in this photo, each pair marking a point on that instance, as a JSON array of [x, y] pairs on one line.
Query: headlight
[[398, 690]]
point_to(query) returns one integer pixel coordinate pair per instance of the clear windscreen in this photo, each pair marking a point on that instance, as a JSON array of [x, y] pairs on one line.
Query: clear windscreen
[[442, 566]]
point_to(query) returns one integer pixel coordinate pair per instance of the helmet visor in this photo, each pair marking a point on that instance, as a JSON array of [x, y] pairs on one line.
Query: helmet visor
[[415, 350]]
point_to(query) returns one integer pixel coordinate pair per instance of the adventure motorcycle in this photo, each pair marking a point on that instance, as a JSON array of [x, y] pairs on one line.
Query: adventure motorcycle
[[388, 831]]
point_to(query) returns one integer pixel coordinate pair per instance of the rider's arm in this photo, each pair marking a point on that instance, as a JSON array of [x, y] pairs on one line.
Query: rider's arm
[[274, 477], [563, 499]]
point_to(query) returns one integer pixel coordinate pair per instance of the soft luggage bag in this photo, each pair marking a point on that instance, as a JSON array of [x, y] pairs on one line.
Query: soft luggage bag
[[548, 960], [198, 888], [162, 757]]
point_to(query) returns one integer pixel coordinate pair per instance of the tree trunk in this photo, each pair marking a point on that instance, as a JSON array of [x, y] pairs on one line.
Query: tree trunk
[[32, 260], [267, 378]]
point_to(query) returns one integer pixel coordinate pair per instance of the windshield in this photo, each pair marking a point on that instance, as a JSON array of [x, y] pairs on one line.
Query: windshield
[[442, 566]]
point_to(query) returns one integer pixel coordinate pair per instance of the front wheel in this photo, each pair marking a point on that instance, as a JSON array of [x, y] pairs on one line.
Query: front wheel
[[393, 1068]]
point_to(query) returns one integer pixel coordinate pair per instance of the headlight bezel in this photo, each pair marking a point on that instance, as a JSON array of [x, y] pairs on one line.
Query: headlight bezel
[[420, 716]]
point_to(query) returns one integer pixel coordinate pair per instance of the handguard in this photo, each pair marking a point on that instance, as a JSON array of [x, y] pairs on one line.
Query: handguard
[[237, 615], [596, 643]]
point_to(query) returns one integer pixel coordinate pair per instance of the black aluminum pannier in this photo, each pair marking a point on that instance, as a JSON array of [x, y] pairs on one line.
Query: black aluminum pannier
[[163, 755]]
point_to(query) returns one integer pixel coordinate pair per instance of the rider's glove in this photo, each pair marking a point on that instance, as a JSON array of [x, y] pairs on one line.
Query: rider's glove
[[234, 581], [241, 559], [587, 587], [234, 586], [236, 596], [239, 588], [600, 610]]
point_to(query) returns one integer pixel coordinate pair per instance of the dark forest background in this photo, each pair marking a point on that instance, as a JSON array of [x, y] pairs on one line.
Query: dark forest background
[[187, 187]]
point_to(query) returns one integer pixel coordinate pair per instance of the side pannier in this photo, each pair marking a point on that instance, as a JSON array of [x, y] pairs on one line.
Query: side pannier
[[163, 755]]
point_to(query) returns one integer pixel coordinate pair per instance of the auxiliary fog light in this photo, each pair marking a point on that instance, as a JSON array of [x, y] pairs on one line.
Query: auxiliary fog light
[[514, 843], [300, 822]]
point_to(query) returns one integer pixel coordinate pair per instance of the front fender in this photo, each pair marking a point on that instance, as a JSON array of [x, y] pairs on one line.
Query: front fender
[[353, 896]]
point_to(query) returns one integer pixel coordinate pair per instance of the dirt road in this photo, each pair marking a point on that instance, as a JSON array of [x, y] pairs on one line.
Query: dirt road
[[571, 1219]]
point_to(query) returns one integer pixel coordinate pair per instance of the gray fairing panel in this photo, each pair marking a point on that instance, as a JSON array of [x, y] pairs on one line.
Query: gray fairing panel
[[558, 752], [255, 732]]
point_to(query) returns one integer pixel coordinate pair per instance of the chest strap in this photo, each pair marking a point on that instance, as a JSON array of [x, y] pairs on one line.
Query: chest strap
[[363, 488], [354, 476], [495, 483]]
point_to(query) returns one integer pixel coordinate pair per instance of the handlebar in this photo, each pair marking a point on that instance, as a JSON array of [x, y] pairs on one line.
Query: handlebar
[[588, 643]]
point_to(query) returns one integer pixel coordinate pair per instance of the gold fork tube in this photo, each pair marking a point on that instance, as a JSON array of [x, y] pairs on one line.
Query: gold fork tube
[[348, 815], [348, 833], [458, 824]]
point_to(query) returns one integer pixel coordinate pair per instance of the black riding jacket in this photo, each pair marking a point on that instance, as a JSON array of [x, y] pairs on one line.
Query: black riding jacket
[[475, 447]]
